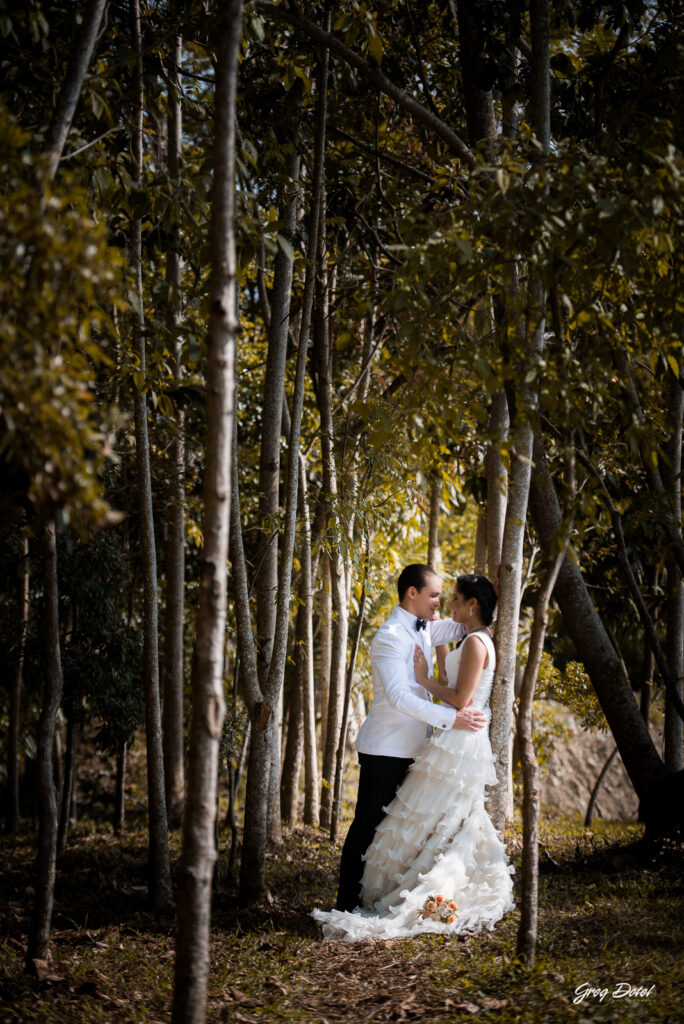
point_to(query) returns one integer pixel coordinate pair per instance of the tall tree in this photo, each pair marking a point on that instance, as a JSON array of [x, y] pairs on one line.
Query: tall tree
[[266, 580], [161, 894], [39, 934], [172, 689], [208, 705], [16, 686], [262, 700]]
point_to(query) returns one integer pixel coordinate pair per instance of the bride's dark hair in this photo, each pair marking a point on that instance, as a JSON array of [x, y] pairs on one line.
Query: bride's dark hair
[[480, 588]]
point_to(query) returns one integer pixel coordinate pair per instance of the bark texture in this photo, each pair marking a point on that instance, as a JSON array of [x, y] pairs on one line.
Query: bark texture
[[208, 706]]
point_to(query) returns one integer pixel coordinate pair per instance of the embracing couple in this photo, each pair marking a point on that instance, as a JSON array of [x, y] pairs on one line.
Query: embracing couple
[[421, 854]]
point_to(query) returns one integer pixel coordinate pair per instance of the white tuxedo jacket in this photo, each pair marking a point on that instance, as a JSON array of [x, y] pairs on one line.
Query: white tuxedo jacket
[[402, 711]]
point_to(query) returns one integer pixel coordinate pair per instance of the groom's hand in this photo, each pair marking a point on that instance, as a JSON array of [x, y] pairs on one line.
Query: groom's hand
[[471, 719]]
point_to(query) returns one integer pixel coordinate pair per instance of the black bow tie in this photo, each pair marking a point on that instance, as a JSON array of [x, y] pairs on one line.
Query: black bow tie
[[421, 623]]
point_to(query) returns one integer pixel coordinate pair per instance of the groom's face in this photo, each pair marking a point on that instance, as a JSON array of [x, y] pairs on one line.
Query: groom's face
[[426, 600]]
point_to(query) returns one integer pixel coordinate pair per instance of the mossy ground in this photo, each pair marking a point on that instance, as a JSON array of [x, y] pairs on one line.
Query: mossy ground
[[607, 916]]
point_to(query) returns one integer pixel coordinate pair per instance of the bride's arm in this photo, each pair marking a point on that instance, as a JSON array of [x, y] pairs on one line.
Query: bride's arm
[[470, 669]]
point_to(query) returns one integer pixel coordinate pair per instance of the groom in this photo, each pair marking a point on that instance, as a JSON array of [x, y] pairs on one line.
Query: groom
[[401, 716]]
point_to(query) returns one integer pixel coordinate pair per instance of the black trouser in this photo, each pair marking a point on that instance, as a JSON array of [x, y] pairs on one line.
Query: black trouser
[[379, 780]]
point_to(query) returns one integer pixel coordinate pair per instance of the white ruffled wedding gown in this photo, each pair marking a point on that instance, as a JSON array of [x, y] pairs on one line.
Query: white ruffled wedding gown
[[436, 839]]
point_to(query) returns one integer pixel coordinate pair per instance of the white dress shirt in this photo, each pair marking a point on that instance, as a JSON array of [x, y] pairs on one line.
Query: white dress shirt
[[401, 707]]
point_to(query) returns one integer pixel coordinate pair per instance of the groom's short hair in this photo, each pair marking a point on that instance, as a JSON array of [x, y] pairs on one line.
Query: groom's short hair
[[414, 576]]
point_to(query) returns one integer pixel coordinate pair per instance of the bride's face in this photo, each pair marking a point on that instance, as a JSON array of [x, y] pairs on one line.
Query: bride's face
[[459, 606]]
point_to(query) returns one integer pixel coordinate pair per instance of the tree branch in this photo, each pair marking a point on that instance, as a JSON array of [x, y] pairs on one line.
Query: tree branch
[[373, 75]]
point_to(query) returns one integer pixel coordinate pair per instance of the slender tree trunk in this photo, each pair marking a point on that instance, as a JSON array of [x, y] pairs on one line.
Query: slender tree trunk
[[323, 357], [208, 706], [325, 619], [480, 564], [478, 102], [306, 654], [261, 702], [294, 745], [529, 897], [497, 483], [73, 83], [433, 522], [47, 796], [648, 659], [14, 725], [266, 579], [672, 479], [120, 793], [342, 743], [174, 780], [159, 868], [68, 784], [527, 929], [603, 665], [591, 806], [524, 403]]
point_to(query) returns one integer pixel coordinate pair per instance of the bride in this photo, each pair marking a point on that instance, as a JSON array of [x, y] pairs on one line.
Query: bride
[[436, 863]]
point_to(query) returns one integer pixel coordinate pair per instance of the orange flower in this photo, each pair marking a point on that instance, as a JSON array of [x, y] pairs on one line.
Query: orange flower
[[430, 905], [439, 899], [452, 905], [452, 919]]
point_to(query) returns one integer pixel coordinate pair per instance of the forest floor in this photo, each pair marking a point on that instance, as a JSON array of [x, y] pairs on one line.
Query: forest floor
[[608, 917]]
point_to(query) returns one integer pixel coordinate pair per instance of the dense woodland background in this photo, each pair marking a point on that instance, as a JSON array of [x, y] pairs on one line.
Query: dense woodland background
[[292, 296]]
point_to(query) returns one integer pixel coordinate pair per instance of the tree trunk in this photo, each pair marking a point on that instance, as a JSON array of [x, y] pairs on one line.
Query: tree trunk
[[603, 665], [325, 618], [174, 780], [120, 793], [323, 357], [480, 564], [159, 868], [648, 659], [591, 806], [262, 702], [208, 706], [497, 483], [672, 480], [520, 410], [529, 896], [433, 522], [65, 109], [266, 579], [527, 929], [507, 624], [478, 103], [294, 746], [342, 743], [14, 725], [68, 784], [47, 796], [306, 661]]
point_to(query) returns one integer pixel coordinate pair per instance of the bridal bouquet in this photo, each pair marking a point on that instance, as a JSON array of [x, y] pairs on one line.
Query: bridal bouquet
[[437, 908]]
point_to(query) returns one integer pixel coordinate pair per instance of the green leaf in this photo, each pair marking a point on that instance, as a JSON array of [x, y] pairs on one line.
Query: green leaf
[[375, 45]]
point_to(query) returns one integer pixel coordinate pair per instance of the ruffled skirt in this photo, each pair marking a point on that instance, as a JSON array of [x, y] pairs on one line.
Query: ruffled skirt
[[436, 840]]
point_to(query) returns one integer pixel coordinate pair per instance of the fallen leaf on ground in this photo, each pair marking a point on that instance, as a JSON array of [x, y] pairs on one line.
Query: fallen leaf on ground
[[45, 972]]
